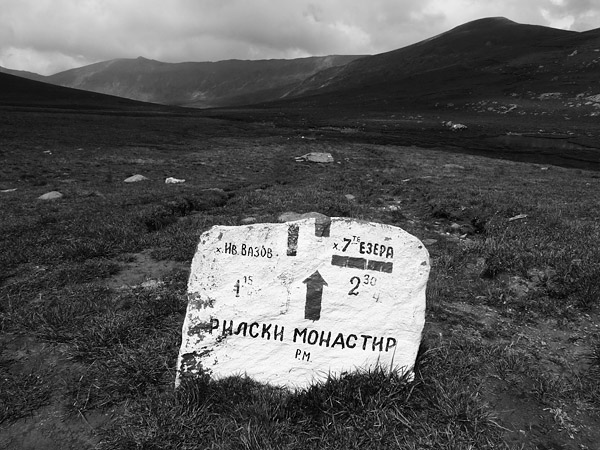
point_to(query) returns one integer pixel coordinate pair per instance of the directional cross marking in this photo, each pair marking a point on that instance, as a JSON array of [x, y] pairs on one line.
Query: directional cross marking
[[314, 295]]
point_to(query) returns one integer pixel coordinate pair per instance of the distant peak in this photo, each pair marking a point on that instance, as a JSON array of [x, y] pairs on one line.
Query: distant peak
[[142, 59], [498, 20], [487, 22]]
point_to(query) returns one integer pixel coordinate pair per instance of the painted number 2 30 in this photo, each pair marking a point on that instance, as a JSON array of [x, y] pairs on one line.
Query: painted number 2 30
[[357, 281]]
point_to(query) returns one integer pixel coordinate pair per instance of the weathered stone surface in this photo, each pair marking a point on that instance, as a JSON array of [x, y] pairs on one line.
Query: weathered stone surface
[[290, 303], [52, 195], [135, 178], [291, 216]]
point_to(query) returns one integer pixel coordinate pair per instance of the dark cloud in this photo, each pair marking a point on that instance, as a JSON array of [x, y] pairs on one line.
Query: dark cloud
[[52, 35]]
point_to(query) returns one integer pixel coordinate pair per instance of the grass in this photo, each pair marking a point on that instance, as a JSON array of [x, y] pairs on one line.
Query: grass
[[21, 393], [510, 354]]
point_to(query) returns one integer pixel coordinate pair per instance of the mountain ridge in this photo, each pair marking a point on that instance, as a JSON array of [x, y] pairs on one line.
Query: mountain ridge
[[196, 84], [486, 59]]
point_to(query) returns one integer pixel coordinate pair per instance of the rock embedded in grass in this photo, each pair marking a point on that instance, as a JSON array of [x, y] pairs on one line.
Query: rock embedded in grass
[[291, 304], [317, 157], [173, 180], [52, 195], [135, 178]]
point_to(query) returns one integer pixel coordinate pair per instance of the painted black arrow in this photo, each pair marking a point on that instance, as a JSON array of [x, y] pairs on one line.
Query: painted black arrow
[[314, 295]]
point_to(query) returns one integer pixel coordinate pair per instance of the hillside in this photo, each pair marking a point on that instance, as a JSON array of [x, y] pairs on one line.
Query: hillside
[[23, 74], [488, 60], [491, 65], [196, 84], [16, 91]]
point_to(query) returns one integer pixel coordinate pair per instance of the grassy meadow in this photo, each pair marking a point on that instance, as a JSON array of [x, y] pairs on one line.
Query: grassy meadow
[[93, 288]]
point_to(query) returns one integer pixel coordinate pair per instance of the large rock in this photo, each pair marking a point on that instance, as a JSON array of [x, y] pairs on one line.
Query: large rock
[[289, 304]]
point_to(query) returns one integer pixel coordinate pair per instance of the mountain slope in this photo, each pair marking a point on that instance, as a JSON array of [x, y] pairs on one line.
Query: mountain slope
[[483, 59], [197, 84], [23, 74], [22, 92], [491, 64]]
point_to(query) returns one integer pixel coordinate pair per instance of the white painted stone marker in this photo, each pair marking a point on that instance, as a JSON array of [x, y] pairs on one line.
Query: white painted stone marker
[[288, 304]]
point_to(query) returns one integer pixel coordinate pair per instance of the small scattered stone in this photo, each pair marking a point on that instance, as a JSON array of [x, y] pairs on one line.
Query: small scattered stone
[[453, 166], [8, 190], [248, 220], [350, 197], [518, 217], [152, 284], [316, 157], [52, 195], [172, 180], [429, 241], [135, 178]]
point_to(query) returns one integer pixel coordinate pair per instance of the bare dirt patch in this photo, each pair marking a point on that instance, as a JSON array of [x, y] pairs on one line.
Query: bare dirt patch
[[54, 424], [141, 269]]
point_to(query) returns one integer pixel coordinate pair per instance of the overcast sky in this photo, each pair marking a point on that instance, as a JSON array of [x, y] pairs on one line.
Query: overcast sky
[[48, 36]]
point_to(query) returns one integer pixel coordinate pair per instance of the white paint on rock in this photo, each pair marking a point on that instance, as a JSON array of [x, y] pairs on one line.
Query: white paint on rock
[[288, 304]]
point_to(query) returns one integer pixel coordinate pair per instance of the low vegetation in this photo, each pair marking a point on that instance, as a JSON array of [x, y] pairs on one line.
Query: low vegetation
[[93, 290]]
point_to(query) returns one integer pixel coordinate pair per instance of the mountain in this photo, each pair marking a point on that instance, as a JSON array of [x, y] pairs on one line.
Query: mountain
[[196, 84], [16, 91], [479, 61], [491, 65], [23, 74]]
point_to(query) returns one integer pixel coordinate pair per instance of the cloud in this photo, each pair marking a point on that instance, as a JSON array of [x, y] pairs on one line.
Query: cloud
[[577, 15], [52, 35]]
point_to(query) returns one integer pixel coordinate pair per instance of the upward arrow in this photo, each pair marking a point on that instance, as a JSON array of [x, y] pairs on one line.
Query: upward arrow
[[314, 295]]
